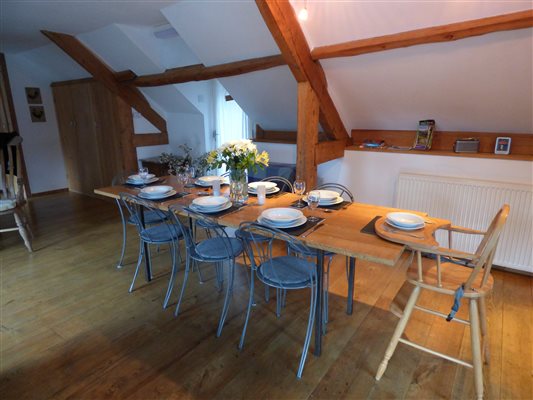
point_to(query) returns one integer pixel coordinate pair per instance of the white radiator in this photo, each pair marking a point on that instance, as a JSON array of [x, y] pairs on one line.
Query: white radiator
[[473, 204]]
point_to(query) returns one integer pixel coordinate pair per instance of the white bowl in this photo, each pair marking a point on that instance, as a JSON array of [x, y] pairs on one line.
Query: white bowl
[[137, 177], [210, 201], [156, 190], [327, 195], [405, 219], [210, 178], [282, 214], [268, 185]]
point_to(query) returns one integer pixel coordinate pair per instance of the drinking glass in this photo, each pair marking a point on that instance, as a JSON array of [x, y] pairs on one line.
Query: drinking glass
[[191, 172], [299, 189], [313, 198], [183, 178], [143, 173]]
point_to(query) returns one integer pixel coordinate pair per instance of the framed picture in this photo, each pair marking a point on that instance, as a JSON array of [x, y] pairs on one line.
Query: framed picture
[[33, 95], [503, 145], [424, 135], [37, 114]]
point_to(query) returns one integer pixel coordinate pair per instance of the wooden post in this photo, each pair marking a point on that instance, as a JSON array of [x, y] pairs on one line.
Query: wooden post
[[307, 135], [125, 120]]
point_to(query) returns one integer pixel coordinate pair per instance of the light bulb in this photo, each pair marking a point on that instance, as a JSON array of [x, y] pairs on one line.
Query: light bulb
[[302, 15]]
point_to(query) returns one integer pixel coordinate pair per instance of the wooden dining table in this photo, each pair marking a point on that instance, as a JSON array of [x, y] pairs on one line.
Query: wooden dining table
[[341, 233]]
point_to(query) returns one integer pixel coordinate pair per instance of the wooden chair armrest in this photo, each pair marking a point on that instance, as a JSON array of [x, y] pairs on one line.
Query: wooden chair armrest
[[461, 229], [21, 199]]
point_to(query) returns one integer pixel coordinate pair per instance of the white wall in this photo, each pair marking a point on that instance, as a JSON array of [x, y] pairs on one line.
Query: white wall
[[41, 146]]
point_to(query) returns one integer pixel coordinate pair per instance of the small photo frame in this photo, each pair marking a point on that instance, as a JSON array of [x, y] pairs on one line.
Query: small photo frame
[[33, 95], [37, 114], [503, 145]]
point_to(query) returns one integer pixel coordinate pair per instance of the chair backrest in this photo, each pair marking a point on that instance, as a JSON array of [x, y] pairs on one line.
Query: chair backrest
[[215, 230], [257, 249], [283, 183], [487, 248], [11, 183], [135, 206], [121, 177], [343, 191]]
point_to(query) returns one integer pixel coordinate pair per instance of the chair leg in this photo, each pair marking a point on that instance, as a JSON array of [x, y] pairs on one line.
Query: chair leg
[[175, 267], [227, 299], [23, 229], [248, 310], [139, 261], [267, 293], [476, 348], [484, 329], [326, 296], [310, 325], [402, 323], [124, 232], [185, 277], [278, 302]]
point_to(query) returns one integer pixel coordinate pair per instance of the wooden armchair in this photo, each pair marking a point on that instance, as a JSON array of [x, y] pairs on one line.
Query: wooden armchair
[[12, 191], [471, 281]]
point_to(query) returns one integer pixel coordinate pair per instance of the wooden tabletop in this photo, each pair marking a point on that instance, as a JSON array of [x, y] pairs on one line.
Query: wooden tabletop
[[341, 232]]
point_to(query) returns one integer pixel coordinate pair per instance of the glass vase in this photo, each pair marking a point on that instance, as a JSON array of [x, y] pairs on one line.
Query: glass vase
[[238, 186]]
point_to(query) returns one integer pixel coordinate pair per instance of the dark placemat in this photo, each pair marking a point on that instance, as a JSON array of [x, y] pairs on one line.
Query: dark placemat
[[176, 196], [298, 230], [337, 206], [296, 204], [370, 227], [160, 180]]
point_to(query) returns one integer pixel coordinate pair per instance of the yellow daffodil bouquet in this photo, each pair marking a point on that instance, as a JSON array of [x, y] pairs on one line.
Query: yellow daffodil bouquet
[[238, 155]]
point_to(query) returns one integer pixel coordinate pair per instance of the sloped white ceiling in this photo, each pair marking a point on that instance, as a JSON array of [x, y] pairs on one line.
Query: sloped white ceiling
[[220, 32]]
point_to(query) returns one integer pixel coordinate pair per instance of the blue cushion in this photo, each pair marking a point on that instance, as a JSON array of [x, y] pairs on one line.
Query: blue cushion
[[246, 235], [150, 217], [286, 272], [217, 248], [164, 233]]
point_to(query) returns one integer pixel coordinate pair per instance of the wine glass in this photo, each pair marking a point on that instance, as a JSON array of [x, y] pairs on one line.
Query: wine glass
[[313, 199], [183, 178], [143, 173], [191, 174], [299, 189]]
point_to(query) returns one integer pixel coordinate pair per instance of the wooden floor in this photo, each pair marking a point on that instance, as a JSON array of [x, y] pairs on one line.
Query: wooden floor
[[70, 329]]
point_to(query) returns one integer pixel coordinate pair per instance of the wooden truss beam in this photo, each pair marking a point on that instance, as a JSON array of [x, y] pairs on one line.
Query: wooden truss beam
[[199, 72], [281, 20], [442, 33], [103, 73], [307, 134]]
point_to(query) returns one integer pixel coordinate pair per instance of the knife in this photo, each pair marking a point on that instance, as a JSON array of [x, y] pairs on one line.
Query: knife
[[314, 228]]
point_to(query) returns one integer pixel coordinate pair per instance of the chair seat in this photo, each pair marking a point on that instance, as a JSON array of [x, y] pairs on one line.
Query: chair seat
[[311, 252], [164, 233], [217, 249], [286, 272], [246, 235], [150, 217], [452, 276], [8, 204]]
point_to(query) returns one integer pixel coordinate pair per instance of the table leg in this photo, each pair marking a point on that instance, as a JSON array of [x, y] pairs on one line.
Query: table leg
[[319, 294], [148, 267], [351, 283]]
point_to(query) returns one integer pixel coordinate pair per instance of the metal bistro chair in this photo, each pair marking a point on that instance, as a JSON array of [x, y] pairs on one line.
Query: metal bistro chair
[[347, 195], [282, 272], [164, 233], [283, 183], [150, 218], [217, 248], [472, 281]]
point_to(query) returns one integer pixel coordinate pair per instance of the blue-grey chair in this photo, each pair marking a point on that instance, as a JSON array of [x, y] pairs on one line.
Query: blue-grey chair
[[347, 195], [150, 218], [164, 233], [283, 183], [283, 272], [217, 248]]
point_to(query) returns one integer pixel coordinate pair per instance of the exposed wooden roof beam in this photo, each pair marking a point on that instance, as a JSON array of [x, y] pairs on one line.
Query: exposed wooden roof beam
[[442, 33], [281, 20], [199, 72], [103, 73], [329, 150]]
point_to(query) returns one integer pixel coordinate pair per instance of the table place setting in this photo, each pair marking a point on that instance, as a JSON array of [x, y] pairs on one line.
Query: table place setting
[[289, 220], [208, 180], [270, 188]]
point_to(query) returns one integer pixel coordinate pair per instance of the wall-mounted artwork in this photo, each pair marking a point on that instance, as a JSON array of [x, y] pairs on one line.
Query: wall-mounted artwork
[[33, 95], [37, 114]]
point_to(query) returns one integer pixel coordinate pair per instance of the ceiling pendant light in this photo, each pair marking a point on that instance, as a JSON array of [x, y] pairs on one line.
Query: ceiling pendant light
[[303, 14]]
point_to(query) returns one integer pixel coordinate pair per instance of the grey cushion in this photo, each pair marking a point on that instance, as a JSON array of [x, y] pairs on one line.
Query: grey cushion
[[164, 233], [217, 248], [286, 271], [150, 217]]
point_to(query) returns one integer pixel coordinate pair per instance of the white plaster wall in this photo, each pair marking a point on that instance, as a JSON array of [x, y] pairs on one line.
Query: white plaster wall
[[41, 145]]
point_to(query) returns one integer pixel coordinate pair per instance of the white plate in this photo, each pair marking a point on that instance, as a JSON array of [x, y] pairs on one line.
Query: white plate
[[282, 214], [140, 183], [404, 219], [268, 185], [156, 190], [210, 201], [208, 211], [333, 202], [223, 181], [298, 222], [275, 190], [138, 178], [327, 194], [404, 228], [161, 196]]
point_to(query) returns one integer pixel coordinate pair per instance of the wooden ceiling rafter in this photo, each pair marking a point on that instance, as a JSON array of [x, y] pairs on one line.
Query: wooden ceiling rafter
[[435, 34], [103, 73]]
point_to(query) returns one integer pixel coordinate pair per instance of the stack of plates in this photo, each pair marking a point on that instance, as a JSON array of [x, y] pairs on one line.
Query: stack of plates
[[271, 187], [327, 198], [282, 218], [157, 192], [405, 221], [210, 204], [207, 181], [137, 180]]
